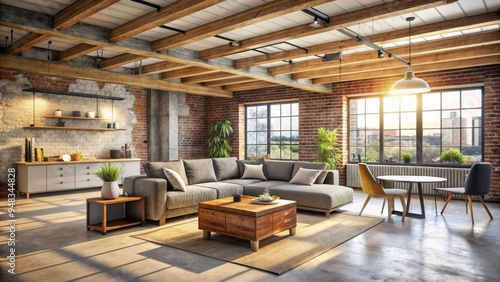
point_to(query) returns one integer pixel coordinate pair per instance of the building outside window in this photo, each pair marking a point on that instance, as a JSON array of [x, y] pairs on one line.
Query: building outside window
[[272, 129], [425, 125]]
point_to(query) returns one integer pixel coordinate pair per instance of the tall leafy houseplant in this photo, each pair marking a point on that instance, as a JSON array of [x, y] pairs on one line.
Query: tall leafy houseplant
[[109, 174], [218, 139], [328, 148]]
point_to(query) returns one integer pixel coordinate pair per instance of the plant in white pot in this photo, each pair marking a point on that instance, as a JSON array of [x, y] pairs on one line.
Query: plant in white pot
[[109, 174]]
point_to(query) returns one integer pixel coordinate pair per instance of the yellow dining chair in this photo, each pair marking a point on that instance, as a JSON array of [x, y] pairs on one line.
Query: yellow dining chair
[[373, 189]]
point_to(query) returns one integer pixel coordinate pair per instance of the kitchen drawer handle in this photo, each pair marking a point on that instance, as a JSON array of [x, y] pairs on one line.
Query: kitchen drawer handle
[[88, 173], [61, 175], [60, 168], [88, 179], [88, 167], [61, 182]]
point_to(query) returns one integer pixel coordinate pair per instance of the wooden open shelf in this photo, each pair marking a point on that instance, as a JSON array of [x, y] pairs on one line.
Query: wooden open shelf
[[114, 224], [71, 117], [74, 128]]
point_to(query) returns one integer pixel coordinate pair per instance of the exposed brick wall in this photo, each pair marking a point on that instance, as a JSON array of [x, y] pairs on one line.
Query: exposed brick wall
[[193, 129], [330, 111]]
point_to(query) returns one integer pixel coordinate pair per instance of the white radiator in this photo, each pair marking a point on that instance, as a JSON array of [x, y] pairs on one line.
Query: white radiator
[[455, 176]]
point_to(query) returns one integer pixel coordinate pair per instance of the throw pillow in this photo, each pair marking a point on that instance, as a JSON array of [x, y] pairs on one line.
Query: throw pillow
[[254, 172], [321, 178], [308, 165], [305, 176], [175, 179], [199, 171], [241, 164], [226, 168]]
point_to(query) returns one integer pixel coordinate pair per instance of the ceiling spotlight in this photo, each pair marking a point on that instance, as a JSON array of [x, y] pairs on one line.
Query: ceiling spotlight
[[315, 23], [380, 54], [234, 43]]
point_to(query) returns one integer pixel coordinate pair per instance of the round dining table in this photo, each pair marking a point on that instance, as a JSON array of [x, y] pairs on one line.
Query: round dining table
[[412, 180]]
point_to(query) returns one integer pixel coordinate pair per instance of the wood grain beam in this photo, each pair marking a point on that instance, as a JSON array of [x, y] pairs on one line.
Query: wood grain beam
[[78, 11], [64, 70], [380, 39], [225, 82], [480, 41], [208, 77], [187, 72], [386, 10], [238, 20], [162, 67], [249, 86], [77, 51], [120, 60], [25, 43], [154, 19]]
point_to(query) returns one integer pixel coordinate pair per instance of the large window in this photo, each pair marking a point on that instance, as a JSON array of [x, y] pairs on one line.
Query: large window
[[424, 125], [273, 129]]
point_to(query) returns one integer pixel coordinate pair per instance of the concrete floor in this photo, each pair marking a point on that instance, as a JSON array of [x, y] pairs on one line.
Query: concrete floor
[[52, 244]]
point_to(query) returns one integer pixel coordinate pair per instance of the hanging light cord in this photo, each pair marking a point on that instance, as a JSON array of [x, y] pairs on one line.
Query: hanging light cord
[[409, 19]]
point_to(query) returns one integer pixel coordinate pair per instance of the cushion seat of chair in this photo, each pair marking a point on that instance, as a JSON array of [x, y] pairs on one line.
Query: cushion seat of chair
[[396, 192], [456, 190]]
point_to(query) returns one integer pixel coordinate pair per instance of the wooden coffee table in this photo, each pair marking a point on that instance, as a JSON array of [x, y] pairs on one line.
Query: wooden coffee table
[[245, 220]]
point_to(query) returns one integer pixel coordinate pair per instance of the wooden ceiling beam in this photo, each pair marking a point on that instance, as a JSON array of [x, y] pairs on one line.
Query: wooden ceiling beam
[[481, 40], [208, 77], [249, 86], [385, 10], [120, 60], [186, 72], [162, 67], [25, 43], [380, 39], [229, 81], [248, 17], [64, 70], [77, 51], [78, 11], [154, 19]]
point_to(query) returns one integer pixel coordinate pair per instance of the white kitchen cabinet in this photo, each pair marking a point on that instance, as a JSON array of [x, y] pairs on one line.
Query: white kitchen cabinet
[[84, 175]]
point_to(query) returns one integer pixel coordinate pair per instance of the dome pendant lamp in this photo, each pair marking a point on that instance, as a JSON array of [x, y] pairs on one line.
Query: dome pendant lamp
[[409, 84]]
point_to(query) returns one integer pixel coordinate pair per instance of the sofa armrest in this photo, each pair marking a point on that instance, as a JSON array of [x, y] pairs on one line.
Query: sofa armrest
[[332, 177], [153, 189]]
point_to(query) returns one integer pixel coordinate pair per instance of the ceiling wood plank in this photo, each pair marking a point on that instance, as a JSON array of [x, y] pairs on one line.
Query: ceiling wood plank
[[208, 77], [386, 10], [249, 86], [229, 81], [78, 11], [25, 43], [238, 20], [64, 70], [154, 19], [186, 72], [120, 60], [162, 67], [380, 39], [77, 51], [482, 40]]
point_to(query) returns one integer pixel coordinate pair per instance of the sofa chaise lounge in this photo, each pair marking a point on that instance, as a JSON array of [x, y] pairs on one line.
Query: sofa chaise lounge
[[175, 188]]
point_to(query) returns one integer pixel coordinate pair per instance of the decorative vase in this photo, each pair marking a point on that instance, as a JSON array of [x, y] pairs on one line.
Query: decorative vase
[[57, 113], [110, 190]]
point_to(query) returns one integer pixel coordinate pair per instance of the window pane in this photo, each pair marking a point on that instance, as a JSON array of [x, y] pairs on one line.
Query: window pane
[[431, 154], [285, 110], [372, 105], [408, 103], [295, 137], [451, 100], [409, 138], [251, 112], [409, 120], [275, 124], [431, 101], [391, 121], [471, 99], [251, 124], [262, 111], [261, 137], [251, 151], [451, 119], [275, 137], [391, 104], [295, 109], [372, 154], [471, 118], [357, 106], [262, 124], [275, 110], [251, 138], [451, 137], [373, 121], [431, 119], [285, 123], [431, 137]]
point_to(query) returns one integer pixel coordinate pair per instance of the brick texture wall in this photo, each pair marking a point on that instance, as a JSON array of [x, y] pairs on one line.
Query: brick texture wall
[[330, 111], [193, 129]]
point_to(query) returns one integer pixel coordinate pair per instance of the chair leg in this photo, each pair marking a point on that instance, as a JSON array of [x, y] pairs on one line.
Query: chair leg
[[447, 201], [469, 198], [390, 208], [383, 205], [485, 207], [403, 204], [368, 197], [466, 209], [435, 203]]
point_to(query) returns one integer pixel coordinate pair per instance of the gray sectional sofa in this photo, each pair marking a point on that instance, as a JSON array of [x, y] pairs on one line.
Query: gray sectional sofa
[[175, 188]]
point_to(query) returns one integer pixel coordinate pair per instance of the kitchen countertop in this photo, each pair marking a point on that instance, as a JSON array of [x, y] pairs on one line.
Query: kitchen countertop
[[80, 161]]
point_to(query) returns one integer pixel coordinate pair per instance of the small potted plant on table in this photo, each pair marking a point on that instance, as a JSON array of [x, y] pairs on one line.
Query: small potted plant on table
[[109, 174], [406, 156]]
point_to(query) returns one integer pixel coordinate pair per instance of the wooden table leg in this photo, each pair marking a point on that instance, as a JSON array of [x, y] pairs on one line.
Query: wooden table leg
[[254, 245], [104, 219], [292, 231], [421, 196], [206, 235]]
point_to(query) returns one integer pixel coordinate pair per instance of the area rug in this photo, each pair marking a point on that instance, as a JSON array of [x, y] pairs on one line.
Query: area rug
[[278, 254]]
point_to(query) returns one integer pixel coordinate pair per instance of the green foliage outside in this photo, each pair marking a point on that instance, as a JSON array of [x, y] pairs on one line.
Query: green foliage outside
[[327, 147], [218, 139], [108, 172], [452, 155]]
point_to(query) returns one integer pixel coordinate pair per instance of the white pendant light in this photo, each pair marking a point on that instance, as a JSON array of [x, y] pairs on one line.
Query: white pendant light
[[409, 84]]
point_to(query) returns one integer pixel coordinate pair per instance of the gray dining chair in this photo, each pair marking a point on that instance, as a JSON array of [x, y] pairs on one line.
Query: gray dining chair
[[477, 183]]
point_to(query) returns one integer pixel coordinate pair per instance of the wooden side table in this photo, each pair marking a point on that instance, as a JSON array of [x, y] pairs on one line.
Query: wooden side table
[[104, 215]]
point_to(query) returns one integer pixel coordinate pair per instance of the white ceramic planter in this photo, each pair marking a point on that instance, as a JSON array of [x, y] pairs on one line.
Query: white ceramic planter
[[110, 190]]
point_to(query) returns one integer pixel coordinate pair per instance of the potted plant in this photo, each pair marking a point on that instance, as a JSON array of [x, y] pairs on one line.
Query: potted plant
[[109, 174], [327, 147], [406, 156], [452, 156], [218, 139]]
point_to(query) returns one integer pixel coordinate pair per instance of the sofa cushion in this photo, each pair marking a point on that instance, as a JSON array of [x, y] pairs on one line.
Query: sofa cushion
[[224, 189], [241, 164], [305, 176], [225, 168], [175, 179], [309, 165], [319, 196], [279, 170], [256, 189], [155, 169], [242, 182], [254, 172], [193, 195], [199, 171]]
